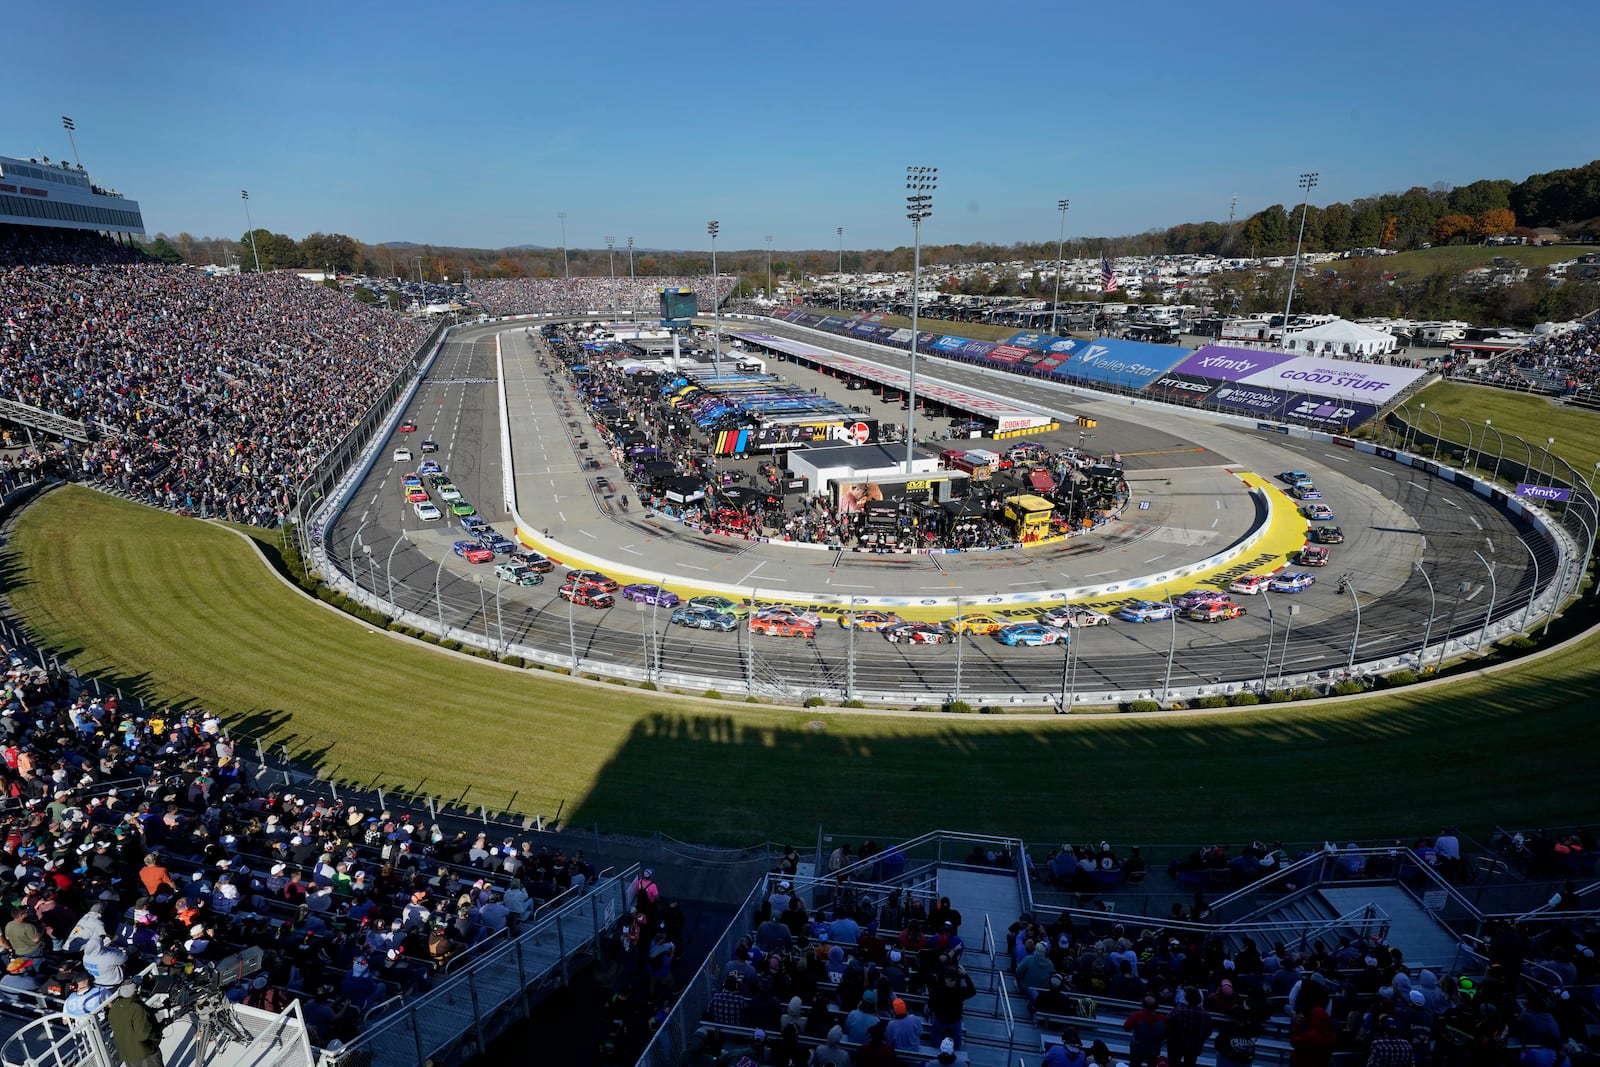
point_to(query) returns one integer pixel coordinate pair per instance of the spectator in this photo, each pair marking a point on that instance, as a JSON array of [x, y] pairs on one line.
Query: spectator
[[1390, 1048], [905, 1029], [831, 1053], [134, 1030], [947, 1002], [1147, 1030], [1188, 1026], [1069, 1053]]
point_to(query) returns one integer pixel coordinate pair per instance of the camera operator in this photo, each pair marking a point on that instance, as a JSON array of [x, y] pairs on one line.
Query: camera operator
[[134, 1029]]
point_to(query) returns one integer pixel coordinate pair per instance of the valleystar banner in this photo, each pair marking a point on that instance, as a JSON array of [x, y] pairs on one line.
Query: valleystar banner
[[1131, 364]]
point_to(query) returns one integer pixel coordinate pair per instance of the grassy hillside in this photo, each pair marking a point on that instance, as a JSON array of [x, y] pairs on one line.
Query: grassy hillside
[[1456, 258]]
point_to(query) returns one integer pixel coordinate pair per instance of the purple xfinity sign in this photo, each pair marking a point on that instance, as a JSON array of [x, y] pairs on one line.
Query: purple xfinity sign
[[1230, 364]]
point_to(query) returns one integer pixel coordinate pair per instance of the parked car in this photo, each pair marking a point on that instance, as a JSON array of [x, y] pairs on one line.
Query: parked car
[[517, 573], [641, 593], [1029, 634], [1316, 511], [917, 633], [1216, 611], [1293, 583], [1250, 584], [701, 619], [473, 552], [1145, 611]]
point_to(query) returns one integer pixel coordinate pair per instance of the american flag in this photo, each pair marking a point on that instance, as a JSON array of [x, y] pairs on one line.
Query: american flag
[[1108, 280]]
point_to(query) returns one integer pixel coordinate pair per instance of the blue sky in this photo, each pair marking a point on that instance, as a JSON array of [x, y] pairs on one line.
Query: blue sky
[[476, 124]]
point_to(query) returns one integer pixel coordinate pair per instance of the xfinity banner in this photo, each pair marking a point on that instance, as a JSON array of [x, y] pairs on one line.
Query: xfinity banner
[[1230, 364], [1370, 382], [1543, 492]]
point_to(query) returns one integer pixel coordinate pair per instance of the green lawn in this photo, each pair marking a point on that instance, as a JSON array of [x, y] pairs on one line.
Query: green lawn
[[1456, 258], [183, 612], [1533, 418], [977, 331]]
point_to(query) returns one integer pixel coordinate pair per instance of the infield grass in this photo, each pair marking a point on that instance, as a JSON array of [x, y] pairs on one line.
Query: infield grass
[[1533, 418], [182, 612]]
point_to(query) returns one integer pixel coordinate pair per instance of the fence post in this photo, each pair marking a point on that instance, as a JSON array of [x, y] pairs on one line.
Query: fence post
[[477, 1012], [416, 1034]]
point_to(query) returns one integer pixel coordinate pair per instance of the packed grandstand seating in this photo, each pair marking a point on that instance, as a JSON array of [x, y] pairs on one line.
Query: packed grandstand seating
[[1565, 363], [207, 395], [525, 296]]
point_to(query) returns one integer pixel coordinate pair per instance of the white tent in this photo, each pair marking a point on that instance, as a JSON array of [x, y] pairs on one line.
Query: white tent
[[1341, 337]]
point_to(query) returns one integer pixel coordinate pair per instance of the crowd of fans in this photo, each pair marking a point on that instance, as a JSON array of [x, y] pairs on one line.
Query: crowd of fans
[[136, 838], [1567, 362], [206, 395], [532, 296]]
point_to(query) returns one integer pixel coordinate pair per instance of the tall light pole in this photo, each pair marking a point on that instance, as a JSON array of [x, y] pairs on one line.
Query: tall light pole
[[840, 231], [1494, 589], [1534, 591], [438, 597], [920, 183], [388, 567], [1288, 628], [1449, 625], [1308, 182], [565, 267], [611, 256], [716, 305], [1500, 447], [250, 227], [1433, 605], [1549, 444], [769, 266], [68, 125], [1061, 239], [1172, 648], [1350, 586], [1266, 661], [631, 283]]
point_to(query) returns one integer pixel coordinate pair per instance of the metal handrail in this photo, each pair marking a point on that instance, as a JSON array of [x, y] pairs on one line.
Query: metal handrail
[[1277, 874], [1003, 1003]]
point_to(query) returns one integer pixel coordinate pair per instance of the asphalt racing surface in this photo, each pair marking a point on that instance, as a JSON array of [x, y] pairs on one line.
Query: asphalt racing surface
[[1187, 470]]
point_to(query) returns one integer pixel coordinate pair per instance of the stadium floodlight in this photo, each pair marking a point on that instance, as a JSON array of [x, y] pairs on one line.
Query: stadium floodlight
[[1308, 182], [920, 184], [68, 125], [1061, 237], [250, 227], [611, 255], [769, 266], [840, 231], [631, 284], [716, 304]]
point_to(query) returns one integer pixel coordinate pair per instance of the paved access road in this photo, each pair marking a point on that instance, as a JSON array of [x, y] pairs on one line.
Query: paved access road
[[1392, 518]]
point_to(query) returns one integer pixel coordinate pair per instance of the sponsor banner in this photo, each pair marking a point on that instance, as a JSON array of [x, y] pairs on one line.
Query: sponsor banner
[[1065, 345], [864, 329], [944, 343], [1039, 342], [1231, 364], [1264, 402], [1386, 453], [1008, 354], [835, 324], [1182, 388], [1131, 364], [1344, 442], [1370, 382], [1543, 492], [900, 337], [1326, 411], [1275, 427], [1051, 360], [977, 349]]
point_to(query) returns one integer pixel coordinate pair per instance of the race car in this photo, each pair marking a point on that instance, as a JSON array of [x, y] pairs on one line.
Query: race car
[[1306, 492], [1328, 535], [472, 524], [1293, 583], [429, 445], [783, 626], [586, 594], [701, 619], [605, 582], [1145, 611], [1029, 634], [1316, 511], [1195, 597], [1073, 616], [495, 541], [1312, 556], [428, 466], [1250, 584], [426, 511], [719, 604], [869, 620], [917, 633], [473, 552], [517, 573], [974, 624], [536, 562], [1215, 611], [416, 494], [1294, 478], [449, 493], [462, 508], [411, 480], [408, 427], [789, 611], [654, 595], [402, 455]]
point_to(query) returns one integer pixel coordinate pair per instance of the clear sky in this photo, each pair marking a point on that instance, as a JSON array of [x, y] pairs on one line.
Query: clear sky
[[475, 124]]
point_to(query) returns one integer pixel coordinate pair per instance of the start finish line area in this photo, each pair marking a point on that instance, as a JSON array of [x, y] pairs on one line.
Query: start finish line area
[[1009, 418]]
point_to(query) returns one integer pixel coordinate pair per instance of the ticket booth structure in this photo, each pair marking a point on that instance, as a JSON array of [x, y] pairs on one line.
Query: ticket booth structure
[[1029, 517]]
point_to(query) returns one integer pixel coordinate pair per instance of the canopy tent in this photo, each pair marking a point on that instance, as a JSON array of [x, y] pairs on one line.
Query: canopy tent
[[1341, 337], [684, 490]]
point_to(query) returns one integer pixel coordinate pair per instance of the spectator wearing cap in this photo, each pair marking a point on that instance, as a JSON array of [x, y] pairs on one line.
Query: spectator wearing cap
[[949, 1055], [1034, 971], [778, 899], [1390, 1048], [24, 937], [86, 997], [773, 936], [1069, 1053], [134, 1030], [905, 1028]]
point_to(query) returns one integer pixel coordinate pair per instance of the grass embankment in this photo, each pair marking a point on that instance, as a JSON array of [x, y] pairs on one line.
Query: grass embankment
[[1533, 418], [1456, 258], [977, 331], [179, 612]]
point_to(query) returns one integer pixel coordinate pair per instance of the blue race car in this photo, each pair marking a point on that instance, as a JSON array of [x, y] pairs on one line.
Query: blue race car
[[1030, 634], [1297, 582], [650, 594], [700, 619], [1145, 611]]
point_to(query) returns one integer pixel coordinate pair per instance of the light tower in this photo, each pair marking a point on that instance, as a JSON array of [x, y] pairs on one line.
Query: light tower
[[716, 305], [1061, 237], [1307, 183], [920, 183]]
